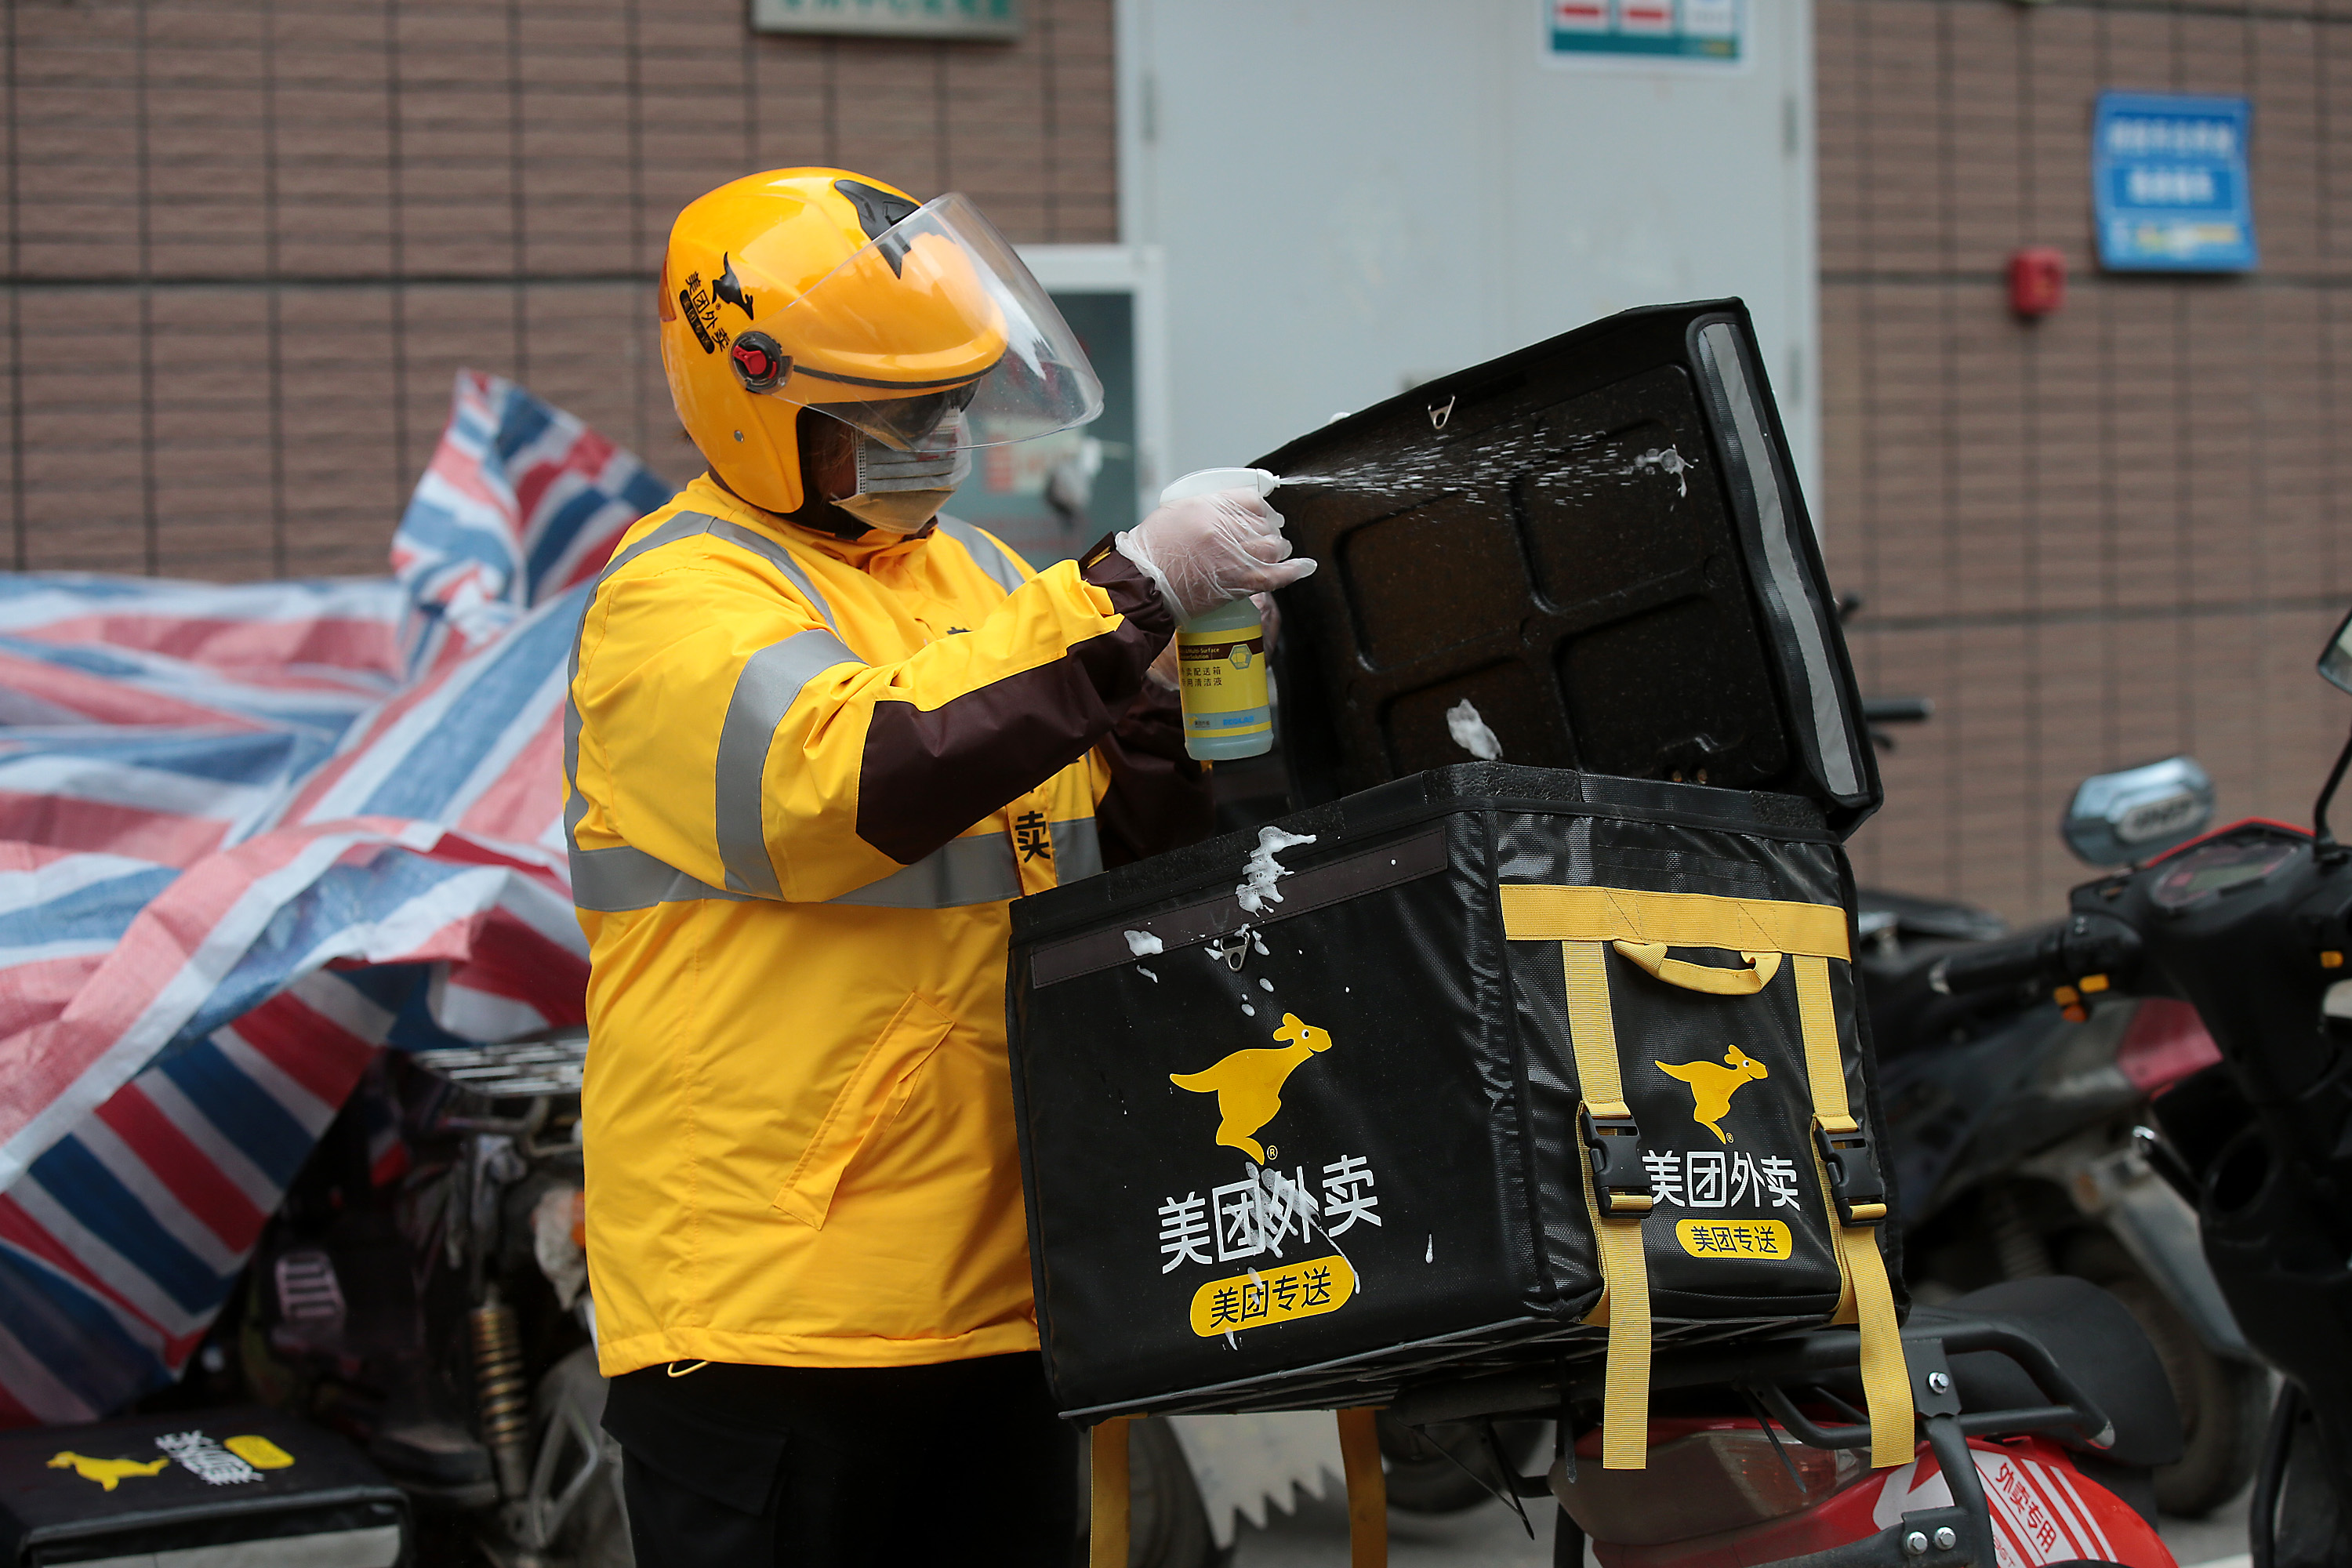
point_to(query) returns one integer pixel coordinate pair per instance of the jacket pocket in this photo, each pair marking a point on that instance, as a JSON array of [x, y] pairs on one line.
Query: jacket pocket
[[872, 1098]]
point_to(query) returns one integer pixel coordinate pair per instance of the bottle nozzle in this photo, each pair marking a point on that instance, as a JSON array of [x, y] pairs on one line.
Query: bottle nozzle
[[1208, 481]]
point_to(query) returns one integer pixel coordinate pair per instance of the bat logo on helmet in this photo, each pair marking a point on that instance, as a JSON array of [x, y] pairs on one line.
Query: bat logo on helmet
[[729, 287], [759, 362]]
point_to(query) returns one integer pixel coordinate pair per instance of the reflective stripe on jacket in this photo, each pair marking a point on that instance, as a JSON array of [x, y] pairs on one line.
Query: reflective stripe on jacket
[[803, 779]]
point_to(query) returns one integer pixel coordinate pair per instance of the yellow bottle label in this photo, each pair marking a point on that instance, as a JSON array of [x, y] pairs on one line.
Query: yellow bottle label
[[1223, 681]]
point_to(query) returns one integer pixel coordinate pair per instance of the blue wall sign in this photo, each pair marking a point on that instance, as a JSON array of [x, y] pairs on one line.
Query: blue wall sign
[[2169, 181]]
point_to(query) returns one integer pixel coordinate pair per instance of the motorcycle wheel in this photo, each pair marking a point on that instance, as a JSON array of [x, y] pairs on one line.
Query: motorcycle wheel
[[1445, 1467], [1167, 1527], [2224, 1403]]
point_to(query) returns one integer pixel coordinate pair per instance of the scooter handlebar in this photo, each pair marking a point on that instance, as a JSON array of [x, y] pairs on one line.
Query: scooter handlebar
[[1992, 966], [2082, 944]]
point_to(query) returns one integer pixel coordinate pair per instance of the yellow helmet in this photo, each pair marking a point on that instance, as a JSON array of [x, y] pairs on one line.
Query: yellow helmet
[[916, 323]]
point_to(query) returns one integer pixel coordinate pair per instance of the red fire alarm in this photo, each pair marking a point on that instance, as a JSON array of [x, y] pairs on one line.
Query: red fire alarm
[[2037, 280]]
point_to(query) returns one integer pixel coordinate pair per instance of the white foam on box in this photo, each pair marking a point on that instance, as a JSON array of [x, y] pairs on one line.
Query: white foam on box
[[1262, 871], [1470, 733]]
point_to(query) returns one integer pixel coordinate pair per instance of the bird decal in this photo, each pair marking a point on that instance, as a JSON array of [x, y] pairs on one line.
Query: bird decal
[[106, 1473], [1248, 1083], [1712, 1087]]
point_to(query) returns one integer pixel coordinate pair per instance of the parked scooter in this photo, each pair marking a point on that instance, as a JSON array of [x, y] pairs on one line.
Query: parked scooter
[[422, 1291], [2249, 927], [2012, 1129]]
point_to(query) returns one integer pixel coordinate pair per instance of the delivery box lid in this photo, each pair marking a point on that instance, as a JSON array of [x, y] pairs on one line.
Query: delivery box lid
[[1598, 545]]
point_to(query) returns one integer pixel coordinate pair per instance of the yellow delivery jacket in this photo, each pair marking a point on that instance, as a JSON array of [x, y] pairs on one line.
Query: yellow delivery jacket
[[803, 778]]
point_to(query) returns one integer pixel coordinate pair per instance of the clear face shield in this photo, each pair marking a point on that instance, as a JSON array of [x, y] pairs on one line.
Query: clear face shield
[[932, 339]]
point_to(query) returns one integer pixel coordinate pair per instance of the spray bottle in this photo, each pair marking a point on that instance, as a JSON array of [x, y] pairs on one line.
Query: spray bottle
[[1220, 653]]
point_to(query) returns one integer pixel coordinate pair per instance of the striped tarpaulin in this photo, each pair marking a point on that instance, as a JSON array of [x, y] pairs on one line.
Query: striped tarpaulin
[[249, 835]]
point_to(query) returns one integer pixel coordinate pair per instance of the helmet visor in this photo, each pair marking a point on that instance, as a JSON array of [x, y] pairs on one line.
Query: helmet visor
[[937, 317]]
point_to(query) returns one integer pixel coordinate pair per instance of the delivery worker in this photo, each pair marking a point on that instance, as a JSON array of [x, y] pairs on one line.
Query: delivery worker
[[819, 737]]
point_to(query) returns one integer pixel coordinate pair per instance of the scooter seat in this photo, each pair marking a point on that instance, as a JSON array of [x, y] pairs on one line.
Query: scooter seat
[[2088, 1332]]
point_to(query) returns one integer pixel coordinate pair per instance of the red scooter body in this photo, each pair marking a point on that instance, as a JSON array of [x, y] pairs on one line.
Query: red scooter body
[[1726, 1476]]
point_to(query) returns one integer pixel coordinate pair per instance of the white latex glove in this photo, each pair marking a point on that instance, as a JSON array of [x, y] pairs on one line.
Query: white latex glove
[[1206, 550]]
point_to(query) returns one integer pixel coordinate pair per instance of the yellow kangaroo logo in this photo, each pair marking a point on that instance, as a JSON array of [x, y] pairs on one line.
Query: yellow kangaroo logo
[[1712, 1087], [108, 1473], [1248, 1083]]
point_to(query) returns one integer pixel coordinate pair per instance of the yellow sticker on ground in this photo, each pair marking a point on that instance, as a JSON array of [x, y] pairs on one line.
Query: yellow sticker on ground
[[1282, 1294], [258, 1451], [1733, 1237]]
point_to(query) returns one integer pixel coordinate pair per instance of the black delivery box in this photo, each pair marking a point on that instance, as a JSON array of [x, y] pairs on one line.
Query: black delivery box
[[1599, 543], [236, 1485], [1306, 1154], [1312, 1116]]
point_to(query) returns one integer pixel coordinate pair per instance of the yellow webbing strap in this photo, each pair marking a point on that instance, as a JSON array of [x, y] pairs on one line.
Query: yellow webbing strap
[[1624, 1304], [1368, 1488], [1539, 911], [1107, 1534], [1867, 1300]]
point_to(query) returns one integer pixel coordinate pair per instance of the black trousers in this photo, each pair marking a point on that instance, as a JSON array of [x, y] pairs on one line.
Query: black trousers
[[745, 1467]]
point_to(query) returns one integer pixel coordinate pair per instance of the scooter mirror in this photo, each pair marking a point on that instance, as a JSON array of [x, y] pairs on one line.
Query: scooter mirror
[[2138, 814], [2336, 661]]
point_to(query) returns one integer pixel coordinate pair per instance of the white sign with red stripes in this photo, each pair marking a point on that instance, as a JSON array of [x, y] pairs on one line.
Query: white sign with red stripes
[[2038, 1514]]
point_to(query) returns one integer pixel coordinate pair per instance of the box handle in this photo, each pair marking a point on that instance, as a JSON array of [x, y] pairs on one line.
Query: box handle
[[1650, 958]]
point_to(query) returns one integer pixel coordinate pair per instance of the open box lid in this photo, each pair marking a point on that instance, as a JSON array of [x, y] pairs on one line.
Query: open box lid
[[1598, 543]]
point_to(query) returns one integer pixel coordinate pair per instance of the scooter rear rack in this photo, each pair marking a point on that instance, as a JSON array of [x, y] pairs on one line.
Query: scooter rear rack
[[1959, 1536]]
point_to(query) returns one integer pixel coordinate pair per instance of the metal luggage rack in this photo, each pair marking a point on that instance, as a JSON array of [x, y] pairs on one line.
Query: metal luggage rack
[[1503, 1371], [546, 1064], [1522, 1347], [1960, 1535]]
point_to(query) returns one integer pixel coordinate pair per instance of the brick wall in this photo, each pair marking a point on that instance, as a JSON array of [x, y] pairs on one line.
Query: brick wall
[[2113, 534], [249, 241]]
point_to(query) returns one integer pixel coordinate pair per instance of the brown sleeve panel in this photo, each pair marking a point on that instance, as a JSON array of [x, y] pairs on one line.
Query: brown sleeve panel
[[1158, 797], [928, 775], [1131, 594]]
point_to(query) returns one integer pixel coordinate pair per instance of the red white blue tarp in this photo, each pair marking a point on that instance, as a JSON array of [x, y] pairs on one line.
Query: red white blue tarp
[[249, 836]]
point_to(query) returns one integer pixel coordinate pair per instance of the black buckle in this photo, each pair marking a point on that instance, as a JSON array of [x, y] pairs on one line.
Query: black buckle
[[1855, 1185], [1612, 1145]]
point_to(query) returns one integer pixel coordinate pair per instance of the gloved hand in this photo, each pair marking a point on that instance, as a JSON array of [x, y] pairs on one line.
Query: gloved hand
[[1205, 551]]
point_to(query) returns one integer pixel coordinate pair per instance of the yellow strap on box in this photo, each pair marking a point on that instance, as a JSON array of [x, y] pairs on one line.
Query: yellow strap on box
[[1106, 1471], [1865, 1299], [1582, 919], [1539, 911], [1368, 1488], [1624, 1304]]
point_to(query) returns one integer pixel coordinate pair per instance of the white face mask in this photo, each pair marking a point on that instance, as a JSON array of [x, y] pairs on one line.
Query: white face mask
[[900, 492]]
